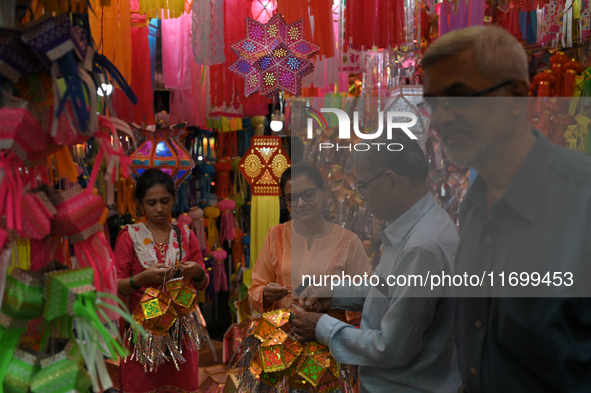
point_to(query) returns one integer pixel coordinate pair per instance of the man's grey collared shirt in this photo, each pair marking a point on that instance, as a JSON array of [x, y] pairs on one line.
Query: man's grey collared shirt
[[405, 344]]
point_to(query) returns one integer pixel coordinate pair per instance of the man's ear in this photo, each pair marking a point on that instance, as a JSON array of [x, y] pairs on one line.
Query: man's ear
[[392, 181], [520, 88]]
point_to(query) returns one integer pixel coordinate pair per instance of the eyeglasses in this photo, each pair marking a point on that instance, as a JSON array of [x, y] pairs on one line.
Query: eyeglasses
[[429, 106], [307, 195], [362, 187]]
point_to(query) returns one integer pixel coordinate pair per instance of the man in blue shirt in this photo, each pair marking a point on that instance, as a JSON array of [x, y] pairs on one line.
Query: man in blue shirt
[[406, 340], [528, 211]]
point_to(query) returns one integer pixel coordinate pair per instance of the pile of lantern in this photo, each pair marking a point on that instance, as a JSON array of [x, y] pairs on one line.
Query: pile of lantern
[[64, 297], [170, 318], [272, 360]]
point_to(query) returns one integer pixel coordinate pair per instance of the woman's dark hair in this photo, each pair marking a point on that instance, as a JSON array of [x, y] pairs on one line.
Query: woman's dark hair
[[149, 179], [311, 172]]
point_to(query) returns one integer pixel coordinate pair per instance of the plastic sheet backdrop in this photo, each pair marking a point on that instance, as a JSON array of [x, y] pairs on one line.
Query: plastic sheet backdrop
[[208, 32]]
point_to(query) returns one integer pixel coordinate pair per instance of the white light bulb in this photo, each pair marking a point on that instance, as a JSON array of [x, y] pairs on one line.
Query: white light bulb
[[276, 125], [105, 88], [200, 158]]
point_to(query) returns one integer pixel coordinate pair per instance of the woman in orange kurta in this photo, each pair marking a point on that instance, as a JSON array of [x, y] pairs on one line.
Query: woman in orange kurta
[[306, 245]]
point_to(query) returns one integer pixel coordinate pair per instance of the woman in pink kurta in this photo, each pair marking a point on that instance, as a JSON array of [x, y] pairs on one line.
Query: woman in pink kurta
[[156, 241]]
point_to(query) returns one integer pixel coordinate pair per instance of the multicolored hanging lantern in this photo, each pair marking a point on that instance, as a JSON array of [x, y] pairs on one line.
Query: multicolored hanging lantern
[[273, 57], [162, 149]]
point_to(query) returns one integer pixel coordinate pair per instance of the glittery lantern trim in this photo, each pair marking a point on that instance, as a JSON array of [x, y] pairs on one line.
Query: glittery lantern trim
[[79, 237], [9, 322], [51, 360], [26, 357], [65, 195], [150, 350], [26, 278], [73, 294]]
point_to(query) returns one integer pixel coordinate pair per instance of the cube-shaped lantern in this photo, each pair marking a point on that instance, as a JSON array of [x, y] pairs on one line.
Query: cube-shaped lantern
[[151, 304], [162, 149], [57, 290], [272, 379], [23, 295], [21, 369], [311, 371], [272, 358], [182, 293]]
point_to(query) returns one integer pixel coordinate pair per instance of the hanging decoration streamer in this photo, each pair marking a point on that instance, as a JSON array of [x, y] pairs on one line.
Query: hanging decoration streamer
[[208, 32]]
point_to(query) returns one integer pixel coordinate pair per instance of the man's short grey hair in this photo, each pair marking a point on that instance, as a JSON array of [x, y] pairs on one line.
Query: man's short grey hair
[[410, 161], [498, 55]]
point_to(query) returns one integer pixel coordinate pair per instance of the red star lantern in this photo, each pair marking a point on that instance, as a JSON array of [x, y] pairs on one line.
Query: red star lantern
[[263, 164]]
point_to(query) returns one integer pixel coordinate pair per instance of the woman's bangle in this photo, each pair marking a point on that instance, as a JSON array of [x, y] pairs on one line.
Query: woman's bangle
[[131, 283], [201, 277]]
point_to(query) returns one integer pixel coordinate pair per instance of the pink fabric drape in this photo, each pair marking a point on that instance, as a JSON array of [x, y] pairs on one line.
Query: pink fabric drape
[[181, 74]]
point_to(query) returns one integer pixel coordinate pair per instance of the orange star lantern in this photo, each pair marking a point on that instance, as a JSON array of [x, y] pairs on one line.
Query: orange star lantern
[[162, 149], [262, 166]]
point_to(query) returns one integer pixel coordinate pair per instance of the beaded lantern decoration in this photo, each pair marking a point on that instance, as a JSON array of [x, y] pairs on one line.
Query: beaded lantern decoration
[[273, 57], [162, 149]]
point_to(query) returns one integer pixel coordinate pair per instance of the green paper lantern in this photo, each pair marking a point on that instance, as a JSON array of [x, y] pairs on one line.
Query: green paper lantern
[[21, 370], [61, 374], [23, 295], [61, 289]]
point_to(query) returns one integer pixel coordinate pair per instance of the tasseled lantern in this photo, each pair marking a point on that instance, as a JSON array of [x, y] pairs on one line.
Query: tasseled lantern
[[226, 207], [197, 226], [238, 249], [213, 237], [223, 187], [125, 197], [219, 270], [184, 219], [239, 201], [80, 216]]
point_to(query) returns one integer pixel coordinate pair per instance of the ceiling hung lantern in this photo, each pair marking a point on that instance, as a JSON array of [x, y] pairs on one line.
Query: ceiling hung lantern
[[162, 149]]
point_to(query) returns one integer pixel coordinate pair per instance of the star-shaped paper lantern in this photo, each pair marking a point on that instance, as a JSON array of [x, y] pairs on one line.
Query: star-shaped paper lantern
[[281, 70], [273, 57], [263, 164]]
